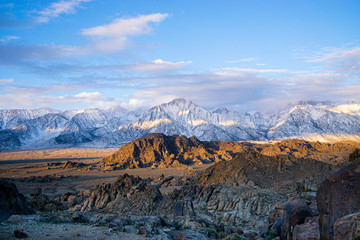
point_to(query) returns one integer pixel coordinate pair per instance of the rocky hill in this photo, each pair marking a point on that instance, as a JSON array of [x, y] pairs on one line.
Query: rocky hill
[[252, 168], [161, 151]]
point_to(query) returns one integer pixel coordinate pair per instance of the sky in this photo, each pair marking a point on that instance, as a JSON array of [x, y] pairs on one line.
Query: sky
[[247, 55]]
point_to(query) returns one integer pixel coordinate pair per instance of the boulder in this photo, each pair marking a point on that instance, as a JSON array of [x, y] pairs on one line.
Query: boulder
[[348, 227], [19, 233], [307, 231], [183, 208], [79, 218], [295, 213], [149, 224], [11, 201], [338, 196], [35, 191], [43, 202]]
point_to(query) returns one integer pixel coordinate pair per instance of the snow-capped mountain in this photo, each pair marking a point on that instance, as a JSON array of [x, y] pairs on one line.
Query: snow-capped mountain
[[44, 128]]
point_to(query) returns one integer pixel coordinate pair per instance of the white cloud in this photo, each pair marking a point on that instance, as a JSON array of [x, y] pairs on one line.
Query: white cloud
[[103, 39], [339, 59], [38, 90], [8, 38], [6, 80], [57, 8], [251, 70], [157, 66], [242, 60], [81, 100], [114, 36]]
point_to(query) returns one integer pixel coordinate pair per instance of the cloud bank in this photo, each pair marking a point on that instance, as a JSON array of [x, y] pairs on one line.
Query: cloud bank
[[57, 8]]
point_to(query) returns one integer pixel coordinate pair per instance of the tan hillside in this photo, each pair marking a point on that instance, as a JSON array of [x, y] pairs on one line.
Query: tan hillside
[[161, 151]]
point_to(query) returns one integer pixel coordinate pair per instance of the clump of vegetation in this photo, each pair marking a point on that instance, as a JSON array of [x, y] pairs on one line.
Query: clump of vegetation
[[271, 234], [212, 233], [177, 225], [236, 236]]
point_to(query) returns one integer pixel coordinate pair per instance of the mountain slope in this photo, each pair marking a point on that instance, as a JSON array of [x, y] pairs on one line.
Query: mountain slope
[[44, 128]]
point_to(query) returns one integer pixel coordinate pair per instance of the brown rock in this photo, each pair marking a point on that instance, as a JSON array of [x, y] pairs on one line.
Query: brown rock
[[252, 168], [11, 201], [307, 231], [183, 208], [143, 231], [275, 215], [127, 194], [35, 191], [295, 213], [19, 233], [348, 227], [338, 196], [70, 164]]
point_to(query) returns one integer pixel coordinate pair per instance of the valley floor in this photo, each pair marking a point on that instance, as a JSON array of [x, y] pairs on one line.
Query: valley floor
[[32, 163]]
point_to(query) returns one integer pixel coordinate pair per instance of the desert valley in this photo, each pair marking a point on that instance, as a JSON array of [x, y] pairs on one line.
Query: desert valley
[[177, 187], [179, 120]]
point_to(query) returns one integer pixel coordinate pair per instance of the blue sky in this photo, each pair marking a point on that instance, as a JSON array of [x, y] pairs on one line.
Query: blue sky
[[74, 54]]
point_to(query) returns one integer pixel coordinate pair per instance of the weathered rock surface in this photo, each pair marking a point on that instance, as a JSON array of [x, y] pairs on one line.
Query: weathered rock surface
[[254, 169], [43, 202], [11, 201], [127, 194], [240, 206], [307, 231], [70, 164], [338, 196], [348, 227], [295, 213]]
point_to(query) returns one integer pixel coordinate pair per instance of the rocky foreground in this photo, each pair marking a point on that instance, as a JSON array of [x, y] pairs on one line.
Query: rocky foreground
[[252, 196]]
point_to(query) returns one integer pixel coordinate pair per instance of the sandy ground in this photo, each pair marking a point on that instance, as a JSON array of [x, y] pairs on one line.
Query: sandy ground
[[42, 155], [24, 164], [37, 231]]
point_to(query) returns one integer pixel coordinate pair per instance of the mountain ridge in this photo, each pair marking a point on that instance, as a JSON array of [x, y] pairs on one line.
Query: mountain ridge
[[46, 128]]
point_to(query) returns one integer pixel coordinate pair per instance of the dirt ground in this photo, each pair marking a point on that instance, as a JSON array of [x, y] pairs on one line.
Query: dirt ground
[[24, 164], [37, 230]]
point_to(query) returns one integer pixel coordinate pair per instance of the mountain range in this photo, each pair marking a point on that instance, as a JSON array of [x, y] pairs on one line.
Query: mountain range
[[48, 128]]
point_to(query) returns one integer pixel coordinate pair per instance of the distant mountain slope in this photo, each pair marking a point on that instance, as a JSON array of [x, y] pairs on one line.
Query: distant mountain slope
[[44, 128]]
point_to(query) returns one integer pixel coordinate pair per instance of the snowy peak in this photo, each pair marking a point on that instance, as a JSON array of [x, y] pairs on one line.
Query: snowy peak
[[180, 107], [351, 109], [43, 128]]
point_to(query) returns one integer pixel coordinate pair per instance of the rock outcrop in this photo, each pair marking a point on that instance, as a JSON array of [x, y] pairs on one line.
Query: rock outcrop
[[127, 194], [295, 213], [338, 196], [11, 201], [348, 227], [254, 169], [161, 151]]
